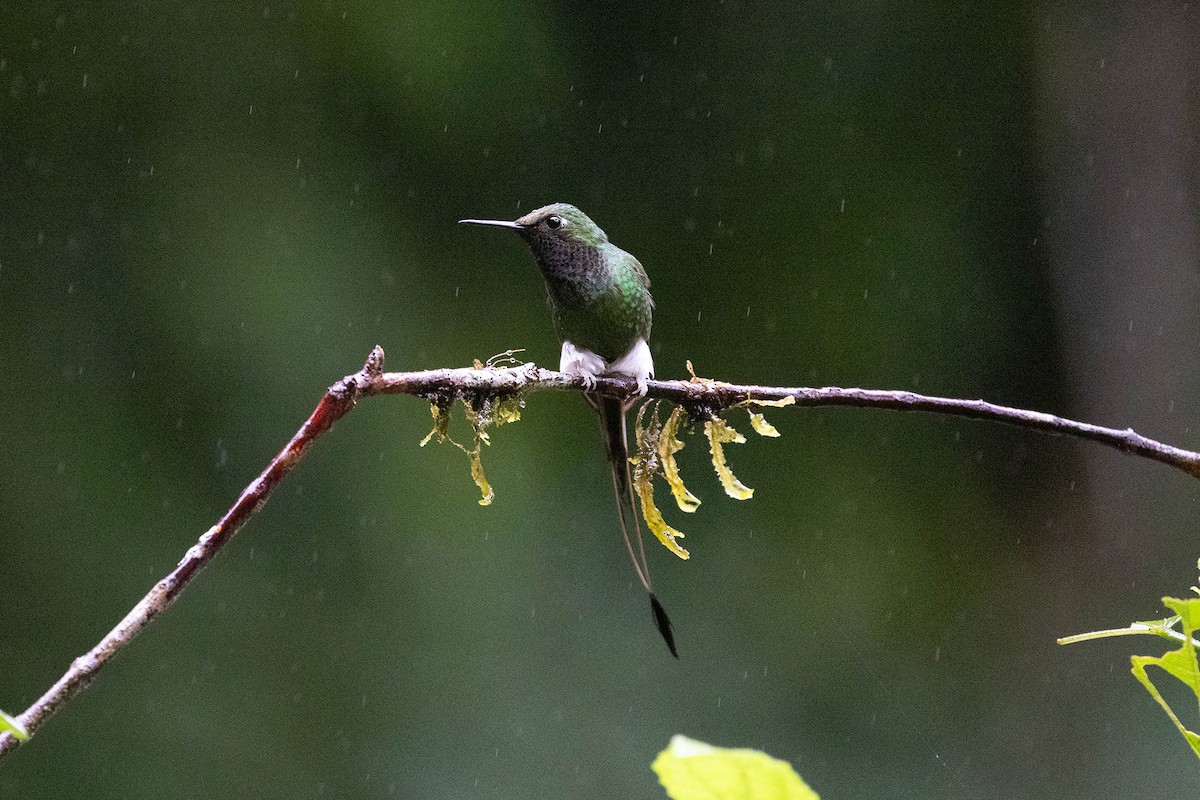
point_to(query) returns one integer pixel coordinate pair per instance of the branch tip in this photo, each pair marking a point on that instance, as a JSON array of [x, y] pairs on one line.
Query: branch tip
[[373, 368]]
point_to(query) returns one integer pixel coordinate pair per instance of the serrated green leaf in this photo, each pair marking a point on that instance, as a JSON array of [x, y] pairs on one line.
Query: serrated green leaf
[[1180, 664], [692, 770], [10, 725]]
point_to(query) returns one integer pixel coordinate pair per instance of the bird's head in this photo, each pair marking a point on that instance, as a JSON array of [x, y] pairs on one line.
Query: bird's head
[[557, 221]]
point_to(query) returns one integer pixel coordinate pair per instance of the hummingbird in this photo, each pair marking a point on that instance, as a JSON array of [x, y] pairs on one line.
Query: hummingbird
[[600, 303]]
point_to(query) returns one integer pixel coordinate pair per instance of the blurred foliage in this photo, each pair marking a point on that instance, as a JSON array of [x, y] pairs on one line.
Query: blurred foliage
[[9, 724], [1180, 664], [692, 770], [211, 211]]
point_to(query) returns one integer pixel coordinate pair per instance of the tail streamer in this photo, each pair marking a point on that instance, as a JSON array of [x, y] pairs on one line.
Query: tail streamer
[[612, 423]]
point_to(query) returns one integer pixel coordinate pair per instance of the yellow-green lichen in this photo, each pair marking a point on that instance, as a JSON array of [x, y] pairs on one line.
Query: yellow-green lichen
[[719, 433], [668, 445], [646, 463], [482, 412]]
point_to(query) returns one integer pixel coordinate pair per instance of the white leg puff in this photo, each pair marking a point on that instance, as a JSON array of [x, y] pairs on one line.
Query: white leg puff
[[584, 363], [637, 364]]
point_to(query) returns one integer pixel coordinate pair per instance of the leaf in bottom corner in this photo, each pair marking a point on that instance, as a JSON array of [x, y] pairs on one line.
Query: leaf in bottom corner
[[692, 770]]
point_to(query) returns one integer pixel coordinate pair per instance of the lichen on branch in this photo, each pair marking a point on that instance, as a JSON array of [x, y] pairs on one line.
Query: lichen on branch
[[483, 410], [656, 446], [648, 461]]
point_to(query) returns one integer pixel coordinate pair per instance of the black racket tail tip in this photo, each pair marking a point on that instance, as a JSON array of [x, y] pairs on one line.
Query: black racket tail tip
[[663, 623]]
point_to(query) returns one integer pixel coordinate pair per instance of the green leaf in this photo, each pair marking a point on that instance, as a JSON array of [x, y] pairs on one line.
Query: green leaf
[[1180, 664], [10, 725], [692, 770]]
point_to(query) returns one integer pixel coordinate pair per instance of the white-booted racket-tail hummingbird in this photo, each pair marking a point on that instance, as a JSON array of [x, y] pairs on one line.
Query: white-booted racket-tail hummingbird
[[600, 301]]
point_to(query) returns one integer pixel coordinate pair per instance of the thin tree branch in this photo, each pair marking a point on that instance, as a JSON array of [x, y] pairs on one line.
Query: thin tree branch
[[701, 398], [705, 398]]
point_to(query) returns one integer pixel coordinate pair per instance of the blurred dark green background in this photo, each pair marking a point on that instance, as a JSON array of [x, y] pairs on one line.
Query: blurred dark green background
[[211, 211]]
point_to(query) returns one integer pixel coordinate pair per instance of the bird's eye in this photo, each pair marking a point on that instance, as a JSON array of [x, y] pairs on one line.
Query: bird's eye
[[554, 222]]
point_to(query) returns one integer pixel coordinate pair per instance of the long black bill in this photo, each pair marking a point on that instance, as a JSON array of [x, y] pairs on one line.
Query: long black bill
[[663, 623], [495, 223]]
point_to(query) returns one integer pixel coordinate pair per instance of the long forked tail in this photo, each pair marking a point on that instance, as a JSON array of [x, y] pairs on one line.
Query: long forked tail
[[612, 427]]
